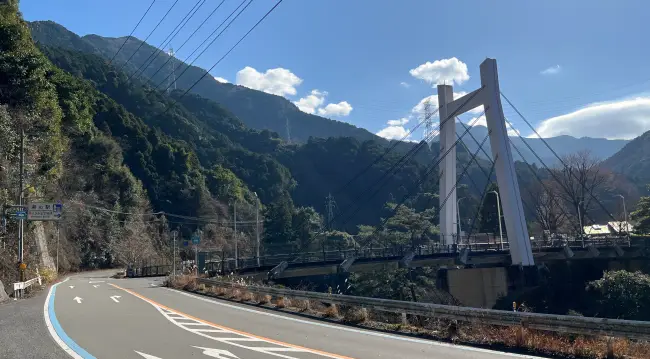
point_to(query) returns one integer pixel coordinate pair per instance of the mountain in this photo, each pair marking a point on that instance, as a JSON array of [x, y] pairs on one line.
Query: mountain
[[600, 148], [633, 160], [257, 109]]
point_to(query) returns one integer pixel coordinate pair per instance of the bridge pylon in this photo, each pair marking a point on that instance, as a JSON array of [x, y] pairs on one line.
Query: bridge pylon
[[489, 96]]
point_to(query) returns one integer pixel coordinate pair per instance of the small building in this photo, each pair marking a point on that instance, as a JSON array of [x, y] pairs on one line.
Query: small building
[[597, 230]]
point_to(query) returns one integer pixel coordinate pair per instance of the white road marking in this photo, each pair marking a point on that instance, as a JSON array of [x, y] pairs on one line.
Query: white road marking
[[233, 340], [71, 287], [115, 297], [77, 299], [147, 356], [218, 353], [95, 281], [50, 326], [348, 329], [95, 285]]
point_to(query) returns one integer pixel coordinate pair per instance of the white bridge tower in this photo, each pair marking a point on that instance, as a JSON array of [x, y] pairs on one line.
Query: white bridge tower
[[488, 96]]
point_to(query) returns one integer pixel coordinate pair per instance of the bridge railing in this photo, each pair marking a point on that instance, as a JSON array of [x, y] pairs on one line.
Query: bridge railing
[[475, 245], [555, 323]]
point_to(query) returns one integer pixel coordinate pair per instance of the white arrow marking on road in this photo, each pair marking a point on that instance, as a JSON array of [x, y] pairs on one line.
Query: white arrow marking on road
[[77, 299], [218, 353], [72, 286], [114, 297], [95, 285], [147, 356]]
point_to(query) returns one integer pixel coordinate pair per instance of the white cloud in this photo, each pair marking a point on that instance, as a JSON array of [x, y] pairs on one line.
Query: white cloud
[[443, 71], [311, 102], [394, 133], [405, 84], [221, 80], [551, 70], [402, 121], [342, 108], [277, 81], [623, 119], [481, 121]]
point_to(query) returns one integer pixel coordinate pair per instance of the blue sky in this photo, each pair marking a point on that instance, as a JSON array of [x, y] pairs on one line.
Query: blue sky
[[580, 66]]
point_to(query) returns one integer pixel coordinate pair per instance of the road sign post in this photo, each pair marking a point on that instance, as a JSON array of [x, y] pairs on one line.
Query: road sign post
[[44, 211]]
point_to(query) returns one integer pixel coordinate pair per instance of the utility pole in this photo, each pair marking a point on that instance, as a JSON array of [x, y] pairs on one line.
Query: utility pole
[[257, 228], [174, 232], [235, 234], [329, 205], [582, 237], [20, 202], [57, 247], [458, 219]]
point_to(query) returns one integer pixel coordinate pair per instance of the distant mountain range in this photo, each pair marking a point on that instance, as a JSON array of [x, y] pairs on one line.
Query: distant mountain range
[[600, 148], [263, 111], [257, 109], [633, 160]]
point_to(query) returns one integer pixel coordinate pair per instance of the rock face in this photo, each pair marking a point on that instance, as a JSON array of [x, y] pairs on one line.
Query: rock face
[[3, 294]]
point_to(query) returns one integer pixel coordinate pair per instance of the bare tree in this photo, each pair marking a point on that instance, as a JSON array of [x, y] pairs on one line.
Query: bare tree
[[547, 206], [135, 245], [580, 180]]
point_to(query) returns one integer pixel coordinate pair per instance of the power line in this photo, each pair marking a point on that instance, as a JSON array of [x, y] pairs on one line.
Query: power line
[[147, 38], [215, 39], [226, 54], [152, 57], [189, 37], [132, 31]]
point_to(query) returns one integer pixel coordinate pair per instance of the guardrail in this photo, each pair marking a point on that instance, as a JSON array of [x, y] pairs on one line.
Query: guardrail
[[556, 323], [19, 288]]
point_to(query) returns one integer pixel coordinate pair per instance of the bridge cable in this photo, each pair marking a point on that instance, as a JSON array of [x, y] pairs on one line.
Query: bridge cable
[[132, 31], [566, 167], [154, 54], [404, 159], [147, 38], [551, 172]]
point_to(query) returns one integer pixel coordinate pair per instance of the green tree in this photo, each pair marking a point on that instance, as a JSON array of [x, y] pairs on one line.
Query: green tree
[[489, 220], [278, 234], [642, 215], [306, 223], [622, 295]]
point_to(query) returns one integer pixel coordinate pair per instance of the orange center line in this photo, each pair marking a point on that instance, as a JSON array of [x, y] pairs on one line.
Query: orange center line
[[152, 302]]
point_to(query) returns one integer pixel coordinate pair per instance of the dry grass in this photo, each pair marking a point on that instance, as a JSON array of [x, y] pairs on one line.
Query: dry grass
[[331, 311], [355, 315], [515, 337]]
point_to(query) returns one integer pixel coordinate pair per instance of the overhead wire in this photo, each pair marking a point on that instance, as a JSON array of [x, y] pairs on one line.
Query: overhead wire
[[154, 54], [211, 42], [131, 34], [189, 37], [147, 38]]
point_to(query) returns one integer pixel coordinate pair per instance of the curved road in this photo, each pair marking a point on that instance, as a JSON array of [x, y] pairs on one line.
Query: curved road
[[93, 316]]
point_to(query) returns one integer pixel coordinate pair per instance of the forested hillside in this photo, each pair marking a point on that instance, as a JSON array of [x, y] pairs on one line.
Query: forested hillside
[[258, 110]]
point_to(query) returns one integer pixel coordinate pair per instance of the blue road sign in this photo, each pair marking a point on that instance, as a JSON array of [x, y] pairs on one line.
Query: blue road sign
[[20, 215], [196, 239], [186, 243]]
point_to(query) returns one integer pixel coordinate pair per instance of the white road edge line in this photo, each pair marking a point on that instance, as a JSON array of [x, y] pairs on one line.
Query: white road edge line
[[353, 330], [50, 327]]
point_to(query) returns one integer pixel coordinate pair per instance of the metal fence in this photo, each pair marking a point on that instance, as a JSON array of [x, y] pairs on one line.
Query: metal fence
[[556, 323]]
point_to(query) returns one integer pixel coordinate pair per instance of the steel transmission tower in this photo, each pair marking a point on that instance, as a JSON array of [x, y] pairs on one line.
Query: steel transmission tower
[[428, 121], [171, 80], [288, 129], [329, 205]]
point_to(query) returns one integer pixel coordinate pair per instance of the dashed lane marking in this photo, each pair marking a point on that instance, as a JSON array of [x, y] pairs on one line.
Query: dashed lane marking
[[235, 337]]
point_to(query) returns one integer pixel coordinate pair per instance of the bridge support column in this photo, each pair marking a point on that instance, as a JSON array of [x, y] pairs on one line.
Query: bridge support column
[[512, 208], [448, 226]]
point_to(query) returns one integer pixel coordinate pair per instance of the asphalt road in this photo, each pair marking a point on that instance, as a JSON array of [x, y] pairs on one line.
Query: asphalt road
[[94, 316]]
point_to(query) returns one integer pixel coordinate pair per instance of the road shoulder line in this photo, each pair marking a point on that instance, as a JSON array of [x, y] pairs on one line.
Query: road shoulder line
[[56, 331]]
